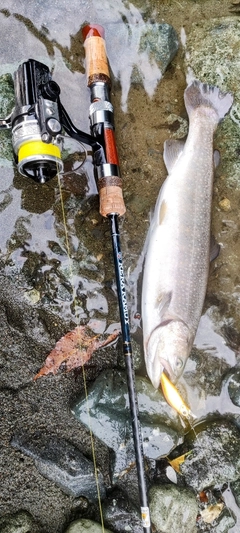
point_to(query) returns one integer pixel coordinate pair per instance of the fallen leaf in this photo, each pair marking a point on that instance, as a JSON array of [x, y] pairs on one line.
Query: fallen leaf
[[211, 512], [175, 463], [74, 349], [203, 497]]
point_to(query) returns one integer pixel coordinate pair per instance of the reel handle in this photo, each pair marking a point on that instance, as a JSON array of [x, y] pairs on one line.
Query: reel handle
[[109, 183]]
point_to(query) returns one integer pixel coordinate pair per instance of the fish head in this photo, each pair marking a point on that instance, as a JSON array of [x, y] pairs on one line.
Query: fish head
[[167, 350]]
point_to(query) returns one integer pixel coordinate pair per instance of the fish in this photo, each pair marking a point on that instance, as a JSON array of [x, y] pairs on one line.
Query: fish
[[178, 244]]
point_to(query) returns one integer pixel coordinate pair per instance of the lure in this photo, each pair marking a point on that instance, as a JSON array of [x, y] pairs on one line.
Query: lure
[[174, 399]]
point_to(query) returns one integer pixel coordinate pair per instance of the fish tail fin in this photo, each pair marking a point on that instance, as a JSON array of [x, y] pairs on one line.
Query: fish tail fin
[[201, 94]]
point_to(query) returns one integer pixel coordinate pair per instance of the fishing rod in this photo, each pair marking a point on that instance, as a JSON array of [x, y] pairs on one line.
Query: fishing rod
[[38, 122], [112, 206]]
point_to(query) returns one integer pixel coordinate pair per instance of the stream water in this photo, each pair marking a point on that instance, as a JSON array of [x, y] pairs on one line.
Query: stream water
[[32, 234]]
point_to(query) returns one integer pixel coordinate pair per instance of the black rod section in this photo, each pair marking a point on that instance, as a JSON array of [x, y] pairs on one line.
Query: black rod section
[[127, 350]]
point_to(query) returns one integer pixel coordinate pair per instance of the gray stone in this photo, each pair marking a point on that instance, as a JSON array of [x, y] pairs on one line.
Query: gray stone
[[108, 407], [7, 101], [61, 462], [173, 509], [21, 522], [150, 49], [225, 522], [85, 526], [119, 515], [215, 456], [232, 382], [160, 41]]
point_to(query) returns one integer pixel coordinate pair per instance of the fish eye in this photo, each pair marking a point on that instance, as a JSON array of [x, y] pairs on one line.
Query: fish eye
[[179, 363]]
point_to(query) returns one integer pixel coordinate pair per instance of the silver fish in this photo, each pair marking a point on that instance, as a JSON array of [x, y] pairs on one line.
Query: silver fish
[[178, 253]]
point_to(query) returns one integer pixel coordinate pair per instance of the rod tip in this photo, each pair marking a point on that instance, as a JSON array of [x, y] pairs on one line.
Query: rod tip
[[93, 30]]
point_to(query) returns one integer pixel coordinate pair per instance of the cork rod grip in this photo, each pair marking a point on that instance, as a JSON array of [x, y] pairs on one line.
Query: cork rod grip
[[109, 187], [95, 53], [110, 196]]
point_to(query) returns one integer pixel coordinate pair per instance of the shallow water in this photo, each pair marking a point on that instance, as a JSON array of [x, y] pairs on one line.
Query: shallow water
[[76, 280]]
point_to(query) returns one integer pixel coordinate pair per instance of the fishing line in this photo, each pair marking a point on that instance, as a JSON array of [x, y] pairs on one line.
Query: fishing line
[[83, 369]]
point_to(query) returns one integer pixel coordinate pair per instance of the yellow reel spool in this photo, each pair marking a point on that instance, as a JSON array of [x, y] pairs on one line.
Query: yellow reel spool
[[38, 148], [36, 152]]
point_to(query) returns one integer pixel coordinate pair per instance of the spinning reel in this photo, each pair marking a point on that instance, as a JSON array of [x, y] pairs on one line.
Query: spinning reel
[[37, 122]]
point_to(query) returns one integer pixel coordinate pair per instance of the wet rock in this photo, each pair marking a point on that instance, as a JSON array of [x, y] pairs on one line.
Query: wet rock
[[61, 462], [232, 383], [173, 509], [221, 525], [215, 456], [6, 105], [21, 522], [151, 47], [160, 41], [236, 491], [85, 526], [108, 407], [156, 44], [119, 515]]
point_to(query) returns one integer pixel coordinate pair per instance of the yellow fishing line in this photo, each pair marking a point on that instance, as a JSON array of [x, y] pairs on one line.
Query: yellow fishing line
[[83, 370]]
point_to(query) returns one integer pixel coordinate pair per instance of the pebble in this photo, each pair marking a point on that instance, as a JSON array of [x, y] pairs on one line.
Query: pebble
[[86, 526], [119, 514], [225, 204], [232, 381], [21, 522], [173, 509]]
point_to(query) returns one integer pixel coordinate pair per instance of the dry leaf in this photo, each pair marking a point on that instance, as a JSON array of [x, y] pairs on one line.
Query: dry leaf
[[203, 497], [211, 512], [74, 349], [175, 463]]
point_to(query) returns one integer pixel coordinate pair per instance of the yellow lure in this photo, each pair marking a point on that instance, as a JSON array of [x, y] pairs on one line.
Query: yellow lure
[[174, 399]]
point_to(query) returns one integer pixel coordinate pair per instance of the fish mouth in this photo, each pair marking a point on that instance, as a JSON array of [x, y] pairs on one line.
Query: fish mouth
[[167, 369], [155, 370]]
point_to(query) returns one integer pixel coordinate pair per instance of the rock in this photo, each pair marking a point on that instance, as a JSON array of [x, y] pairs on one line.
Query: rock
[[7, 101], [215, 456], [21, 522], [61, 462], [160, 42], [173, 509], [224, 524], [119, 515], [232, 383], [108, 406], [151, 47], [85, 526], [225, 204]]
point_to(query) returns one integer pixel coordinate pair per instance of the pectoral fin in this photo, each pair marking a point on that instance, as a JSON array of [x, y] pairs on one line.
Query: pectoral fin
[[172, 151], [214, 248]]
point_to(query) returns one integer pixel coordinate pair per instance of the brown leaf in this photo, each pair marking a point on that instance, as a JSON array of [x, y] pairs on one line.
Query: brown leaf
[[74, 349], [176, 463]]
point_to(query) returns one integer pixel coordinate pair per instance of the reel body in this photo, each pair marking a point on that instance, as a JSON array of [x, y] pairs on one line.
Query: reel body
[[37, 122]]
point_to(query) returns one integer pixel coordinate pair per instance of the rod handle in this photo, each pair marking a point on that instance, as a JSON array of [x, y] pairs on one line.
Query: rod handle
[[95, 53], [110, 196]]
